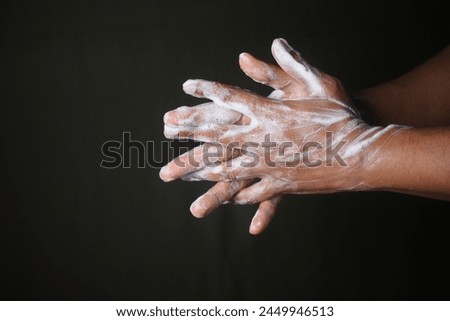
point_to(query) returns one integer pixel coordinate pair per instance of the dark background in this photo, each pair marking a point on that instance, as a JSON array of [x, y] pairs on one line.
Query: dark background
[[75, 75]]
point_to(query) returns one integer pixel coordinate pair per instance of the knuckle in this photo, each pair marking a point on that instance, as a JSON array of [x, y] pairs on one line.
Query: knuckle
[[215, 196]]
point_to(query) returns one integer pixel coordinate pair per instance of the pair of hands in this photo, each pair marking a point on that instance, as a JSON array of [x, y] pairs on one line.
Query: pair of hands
[[303, 138]]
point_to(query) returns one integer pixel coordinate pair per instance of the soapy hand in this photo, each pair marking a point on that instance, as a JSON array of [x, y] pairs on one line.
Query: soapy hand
[[303, 138], [284, 84]]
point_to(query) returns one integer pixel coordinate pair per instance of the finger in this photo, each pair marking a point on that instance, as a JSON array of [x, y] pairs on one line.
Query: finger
[[291, 62], [214, 197], [285, 86], [239, 168], [256, 193], [240, 100], [204, 113], [264, 73], [195, 159], [264, 215], [209, 133]]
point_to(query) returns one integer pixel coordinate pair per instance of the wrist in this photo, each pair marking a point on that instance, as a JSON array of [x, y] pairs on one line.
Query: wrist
[[376, 162]]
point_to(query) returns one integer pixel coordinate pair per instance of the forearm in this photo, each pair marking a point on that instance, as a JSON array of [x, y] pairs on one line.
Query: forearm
[[412, 161], [419, 98]]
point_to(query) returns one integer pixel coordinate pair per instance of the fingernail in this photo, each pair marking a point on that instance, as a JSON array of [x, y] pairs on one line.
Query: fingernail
[[190, 86], [280, 42], [164, 174], [167, 117], [276, 94], [283, 43], [255, 224], [294, 53], [244, 56], [260, 72], [197, 208]]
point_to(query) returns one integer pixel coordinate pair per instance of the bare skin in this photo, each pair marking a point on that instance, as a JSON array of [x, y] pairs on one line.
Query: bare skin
[[420, 98], [304, 107]]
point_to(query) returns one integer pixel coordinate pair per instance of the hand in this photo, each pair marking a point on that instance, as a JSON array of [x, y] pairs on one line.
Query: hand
[[325, 110], [224, 191], [285, 85]]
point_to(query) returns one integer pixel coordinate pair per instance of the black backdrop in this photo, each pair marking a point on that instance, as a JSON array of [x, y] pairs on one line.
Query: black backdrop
[[75, 75]]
